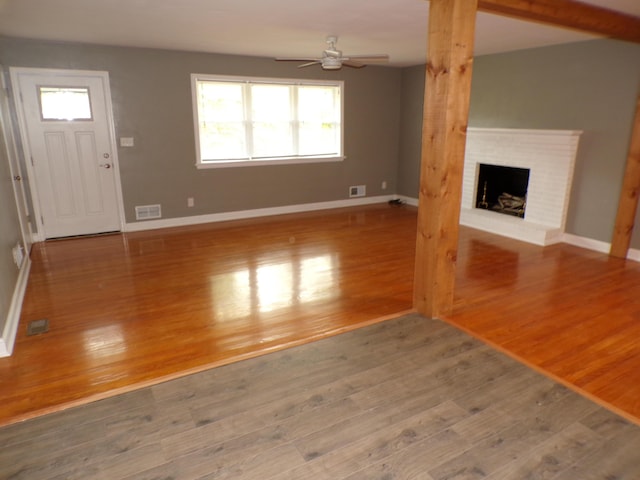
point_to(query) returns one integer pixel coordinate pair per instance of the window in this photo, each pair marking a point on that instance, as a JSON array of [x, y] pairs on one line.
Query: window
[[251, 121], [64, 103]]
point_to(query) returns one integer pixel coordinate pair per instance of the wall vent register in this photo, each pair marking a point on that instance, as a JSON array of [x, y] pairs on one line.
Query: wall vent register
[[148, 212]]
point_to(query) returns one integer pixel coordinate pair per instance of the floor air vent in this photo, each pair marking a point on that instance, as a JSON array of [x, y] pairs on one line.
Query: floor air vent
[[36, 327], [147, 212]]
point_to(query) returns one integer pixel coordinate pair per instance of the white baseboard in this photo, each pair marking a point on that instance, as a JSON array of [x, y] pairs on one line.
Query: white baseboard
[[408, 200], [259, 212], [588, 243], [633, 254], [13, 317], [597, 245]]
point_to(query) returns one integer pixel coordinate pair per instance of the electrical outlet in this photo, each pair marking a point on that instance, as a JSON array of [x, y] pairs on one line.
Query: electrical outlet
[[190, 202], [384, 185]]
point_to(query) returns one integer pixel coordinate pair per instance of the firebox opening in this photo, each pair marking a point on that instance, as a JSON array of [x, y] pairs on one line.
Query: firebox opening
[[502, 189]]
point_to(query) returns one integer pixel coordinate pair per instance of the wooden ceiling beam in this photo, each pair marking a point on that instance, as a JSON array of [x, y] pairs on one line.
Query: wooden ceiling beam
[[570, 14]]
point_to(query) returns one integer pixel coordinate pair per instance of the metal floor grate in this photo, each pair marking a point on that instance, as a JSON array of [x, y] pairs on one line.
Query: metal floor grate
[[37, 327]]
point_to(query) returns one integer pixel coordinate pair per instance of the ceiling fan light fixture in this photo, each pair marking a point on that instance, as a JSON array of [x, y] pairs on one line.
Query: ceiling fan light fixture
[[330, 63], [332, 58]]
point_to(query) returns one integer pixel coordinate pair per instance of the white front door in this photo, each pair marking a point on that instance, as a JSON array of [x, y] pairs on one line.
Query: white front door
[[66, 121]]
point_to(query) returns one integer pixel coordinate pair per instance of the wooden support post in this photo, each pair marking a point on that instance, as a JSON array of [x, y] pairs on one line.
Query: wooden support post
[[628, 203], [444, 129]]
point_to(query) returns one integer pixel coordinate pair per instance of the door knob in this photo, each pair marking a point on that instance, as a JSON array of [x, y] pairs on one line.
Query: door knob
[[105, 165]]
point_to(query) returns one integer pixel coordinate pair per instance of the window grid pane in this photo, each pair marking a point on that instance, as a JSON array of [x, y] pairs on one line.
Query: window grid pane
[[221, 121], [271, 122], [267, 121]]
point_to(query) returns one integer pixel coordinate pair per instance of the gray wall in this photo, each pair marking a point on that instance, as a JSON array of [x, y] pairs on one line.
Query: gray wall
[[590, 86], [413, 79], [151, 94]]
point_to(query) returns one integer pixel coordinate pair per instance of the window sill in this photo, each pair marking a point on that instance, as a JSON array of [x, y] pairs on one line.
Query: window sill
[[259, 163]]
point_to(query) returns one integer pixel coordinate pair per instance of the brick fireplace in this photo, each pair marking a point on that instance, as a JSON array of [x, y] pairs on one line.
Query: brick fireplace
[[549, 155]]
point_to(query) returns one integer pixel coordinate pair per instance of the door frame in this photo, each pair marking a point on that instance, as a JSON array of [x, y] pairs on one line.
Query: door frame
[[15, 168], [22, 124]]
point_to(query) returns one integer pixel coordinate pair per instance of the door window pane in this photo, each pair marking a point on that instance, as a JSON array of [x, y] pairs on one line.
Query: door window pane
[[65, 103]]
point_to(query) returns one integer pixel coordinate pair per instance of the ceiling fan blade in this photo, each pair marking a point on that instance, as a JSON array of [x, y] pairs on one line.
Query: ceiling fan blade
[[368, 58], [308, 64], [352, 64], [296, 59]]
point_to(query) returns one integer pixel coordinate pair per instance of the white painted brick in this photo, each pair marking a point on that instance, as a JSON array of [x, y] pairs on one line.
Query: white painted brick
[[550, 156]]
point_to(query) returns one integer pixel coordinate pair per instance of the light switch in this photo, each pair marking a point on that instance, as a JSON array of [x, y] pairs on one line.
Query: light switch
[[126, 141]]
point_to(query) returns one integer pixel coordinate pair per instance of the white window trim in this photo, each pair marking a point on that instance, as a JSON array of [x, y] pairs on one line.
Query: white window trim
[[195, 77]]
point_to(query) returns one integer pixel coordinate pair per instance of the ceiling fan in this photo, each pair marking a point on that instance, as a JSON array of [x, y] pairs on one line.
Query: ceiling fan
[[332, 58]]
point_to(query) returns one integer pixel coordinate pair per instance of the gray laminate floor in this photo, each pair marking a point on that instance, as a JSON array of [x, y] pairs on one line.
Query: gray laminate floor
[[405, 399]]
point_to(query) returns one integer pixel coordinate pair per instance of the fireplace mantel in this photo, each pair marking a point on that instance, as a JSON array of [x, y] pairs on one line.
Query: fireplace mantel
[[549, 154]]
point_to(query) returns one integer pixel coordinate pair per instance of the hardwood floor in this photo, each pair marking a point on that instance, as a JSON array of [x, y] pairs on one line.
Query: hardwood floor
[[128, 311], [408, 398], [131, 310], [571, 313]]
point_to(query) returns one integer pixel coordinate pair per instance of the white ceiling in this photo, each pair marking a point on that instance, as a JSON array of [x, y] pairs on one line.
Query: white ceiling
[[270, 28]]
